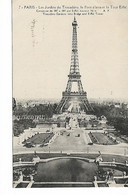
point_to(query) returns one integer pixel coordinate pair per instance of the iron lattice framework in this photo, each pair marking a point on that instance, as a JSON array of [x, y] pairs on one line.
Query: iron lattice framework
[[80, 95]]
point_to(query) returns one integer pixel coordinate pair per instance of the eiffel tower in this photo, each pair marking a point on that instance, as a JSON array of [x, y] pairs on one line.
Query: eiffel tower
[[74, 101]]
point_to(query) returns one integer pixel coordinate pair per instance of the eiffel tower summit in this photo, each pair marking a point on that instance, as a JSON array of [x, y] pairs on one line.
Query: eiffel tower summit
[[74, 98]]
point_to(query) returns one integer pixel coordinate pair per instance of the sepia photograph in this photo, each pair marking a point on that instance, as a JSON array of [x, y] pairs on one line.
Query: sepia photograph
[[69, 93]]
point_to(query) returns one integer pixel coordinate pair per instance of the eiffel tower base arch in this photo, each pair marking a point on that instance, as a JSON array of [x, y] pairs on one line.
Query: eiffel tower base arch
[[74, 103]]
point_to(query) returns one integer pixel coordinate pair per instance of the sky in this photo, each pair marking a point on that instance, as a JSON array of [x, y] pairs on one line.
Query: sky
[[42, 52]]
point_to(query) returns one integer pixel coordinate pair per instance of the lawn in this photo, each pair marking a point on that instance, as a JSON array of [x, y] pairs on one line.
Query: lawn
[[40, 138], [101, 138], [22, 185]]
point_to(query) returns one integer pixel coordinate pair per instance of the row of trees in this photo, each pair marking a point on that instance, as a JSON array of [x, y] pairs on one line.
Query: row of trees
[[109, 111], [20, 125], [120, 124], [42, 109], [116, 117]]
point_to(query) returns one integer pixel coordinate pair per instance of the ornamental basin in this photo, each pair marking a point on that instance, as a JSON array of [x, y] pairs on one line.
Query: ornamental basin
[[66, 170]]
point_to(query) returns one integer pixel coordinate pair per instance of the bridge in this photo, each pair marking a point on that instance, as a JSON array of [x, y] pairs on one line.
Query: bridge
[[67, 157]]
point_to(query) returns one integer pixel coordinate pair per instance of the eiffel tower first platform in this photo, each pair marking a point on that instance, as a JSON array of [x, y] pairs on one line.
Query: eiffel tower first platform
[[74, 101]]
